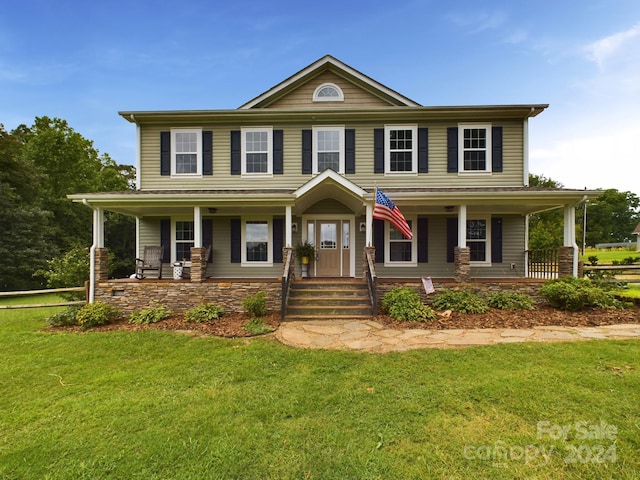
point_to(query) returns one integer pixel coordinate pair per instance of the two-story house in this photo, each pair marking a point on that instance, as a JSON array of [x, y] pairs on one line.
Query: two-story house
[[302, 161]]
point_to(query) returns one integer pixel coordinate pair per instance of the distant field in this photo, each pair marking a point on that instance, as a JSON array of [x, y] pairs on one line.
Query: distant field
[[608, 255]]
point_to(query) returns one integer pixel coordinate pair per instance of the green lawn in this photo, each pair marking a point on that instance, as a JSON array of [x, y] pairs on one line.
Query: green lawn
[[607, 256], [162, 405]]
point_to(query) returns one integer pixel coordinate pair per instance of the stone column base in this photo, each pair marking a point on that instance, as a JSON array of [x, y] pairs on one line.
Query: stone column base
[[101, 264], [198, 264], [462, 263]]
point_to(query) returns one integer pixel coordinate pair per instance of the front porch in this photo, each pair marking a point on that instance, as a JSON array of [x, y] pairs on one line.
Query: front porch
[[179, 295]]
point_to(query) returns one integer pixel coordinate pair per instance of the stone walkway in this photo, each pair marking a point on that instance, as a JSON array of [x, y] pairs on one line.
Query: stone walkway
[[371, 336]]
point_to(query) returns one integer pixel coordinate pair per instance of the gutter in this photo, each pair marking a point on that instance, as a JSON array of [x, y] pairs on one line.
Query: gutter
[[92, 258]]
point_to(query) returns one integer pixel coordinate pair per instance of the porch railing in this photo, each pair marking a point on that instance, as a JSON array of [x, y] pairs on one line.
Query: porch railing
[[288, 274], [372, 279], [543, 263]]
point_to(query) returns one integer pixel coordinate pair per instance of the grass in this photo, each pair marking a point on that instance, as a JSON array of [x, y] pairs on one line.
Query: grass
[[632, 291], [607, 256], [161, 405]]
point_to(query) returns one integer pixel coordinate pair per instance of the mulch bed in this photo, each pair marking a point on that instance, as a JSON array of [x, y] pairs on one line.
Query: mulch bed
[[234, 324]]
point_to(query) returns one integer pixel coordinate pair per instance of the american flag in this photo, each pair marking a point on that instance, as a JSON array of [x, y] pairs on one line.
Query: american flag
[[386, 210]]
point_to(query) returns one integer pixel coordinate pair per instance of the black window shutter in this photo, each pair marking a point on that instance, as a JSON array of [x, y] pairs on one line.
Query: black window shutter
[[165, 239], [452, 149], [278, 152], [307, 150], [378, 239], [165, 153], [236, 240], [236, 150], [278, 239], [452, 238], [350, 151], [207, 234], [423, 150], [496, 239], [378, 150], [207, 152], [423, 240], [496, 149]]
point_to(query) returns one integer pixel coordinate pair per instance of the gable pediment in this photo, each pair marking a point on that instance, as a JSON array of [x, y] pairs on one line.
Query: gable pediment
[[298, 90]]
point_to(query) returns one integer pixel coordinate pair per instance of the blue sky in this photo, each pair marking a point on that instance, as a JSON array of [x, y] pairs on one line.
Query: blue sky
[[83, 61]]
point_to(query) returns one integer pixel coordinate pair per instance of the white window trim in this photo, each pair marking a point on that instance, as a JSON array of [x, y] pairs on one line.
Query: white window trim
[[336, 128], [339, 98], [461, 170], [198, 132], [387, 149], [243, 233], [243, 142], [174, 241], [414, 245], [487, 242]]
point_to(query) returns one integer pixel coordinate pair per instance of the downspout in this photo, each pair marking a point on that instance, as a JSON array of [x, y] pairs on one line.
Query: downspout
[[92, 257]]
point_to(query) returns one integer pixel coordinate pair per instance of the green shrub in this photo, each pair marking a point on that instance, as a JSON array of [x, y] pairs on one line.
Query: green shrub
[[257, 327], [256, 305], [510, 301], [573, 294], [203, 313], [149, 315], [96, 314], [403, 303], [64, 318], [463, 301]]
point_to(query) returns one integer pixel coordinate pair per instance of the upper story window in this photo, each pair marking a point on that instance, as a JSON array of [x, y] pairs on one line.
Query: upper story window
[[328, 92], [474, 148], [401, 145], [328, 149], [186, 152], [257, 151]]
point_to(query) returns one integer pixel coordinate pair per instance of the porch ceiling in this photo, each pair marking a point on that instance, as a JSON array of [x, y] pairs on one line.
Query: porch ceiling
[[507, 200]]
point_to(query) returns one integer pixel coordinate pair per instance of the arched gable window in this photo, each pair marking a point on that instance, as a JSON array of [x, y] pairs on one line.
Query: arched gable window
[[328, 92]]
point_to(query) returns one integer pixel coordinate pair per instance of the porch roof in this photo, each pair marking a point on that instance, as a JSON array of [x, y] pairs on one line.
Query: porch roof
[[424, 200]]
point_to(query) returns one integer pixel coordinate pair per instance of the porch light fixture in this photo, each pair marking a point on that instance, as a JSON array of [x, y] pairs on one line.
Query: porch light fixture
[[294, 227], [363, 227], [213, 210], [449, 208]]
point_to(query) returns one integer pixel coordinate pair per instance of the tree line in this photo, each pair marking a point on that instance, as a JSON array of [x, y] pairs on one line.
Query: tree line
[[44, 236], [39, 166]]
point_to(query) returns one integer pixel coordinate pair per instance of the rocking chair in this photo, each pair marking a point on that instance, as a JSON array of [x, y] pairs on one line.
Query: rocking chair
[[151, 261]]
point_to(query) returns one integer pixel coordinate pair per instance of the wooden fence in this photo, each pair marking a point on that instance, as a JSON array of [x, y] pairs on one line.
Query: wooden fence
[[26, 293]]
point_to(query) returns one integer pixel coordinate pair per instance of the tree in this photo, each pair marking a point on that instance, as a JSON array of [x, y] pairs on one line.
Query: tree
[[612, 217], [39, 166], [25, 225], [546, 229]]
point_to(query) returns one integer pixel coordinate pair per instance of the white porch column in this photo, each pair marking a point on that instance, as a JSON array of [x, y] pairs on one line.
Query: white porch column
[[570, 234], [197, 227], [369, 227], [98, 227], [98, 242], [462, 226], [288, 226]]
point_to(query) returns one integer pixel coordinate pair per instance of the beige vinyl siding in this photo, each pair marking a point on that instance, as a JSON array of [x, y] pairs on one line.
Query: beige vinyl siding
[[513, 228], [354, 96], [364, 177], [438, 267]]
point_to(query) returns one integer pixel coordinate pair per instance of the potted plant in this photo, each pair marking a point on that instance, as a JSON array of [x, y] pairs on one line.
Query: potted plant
[[305, 251]]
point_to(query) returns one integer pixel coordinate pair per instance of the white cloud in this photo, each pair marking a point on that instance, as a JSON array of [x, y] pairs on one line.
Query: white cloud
[[608, 47], [602, 159]]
